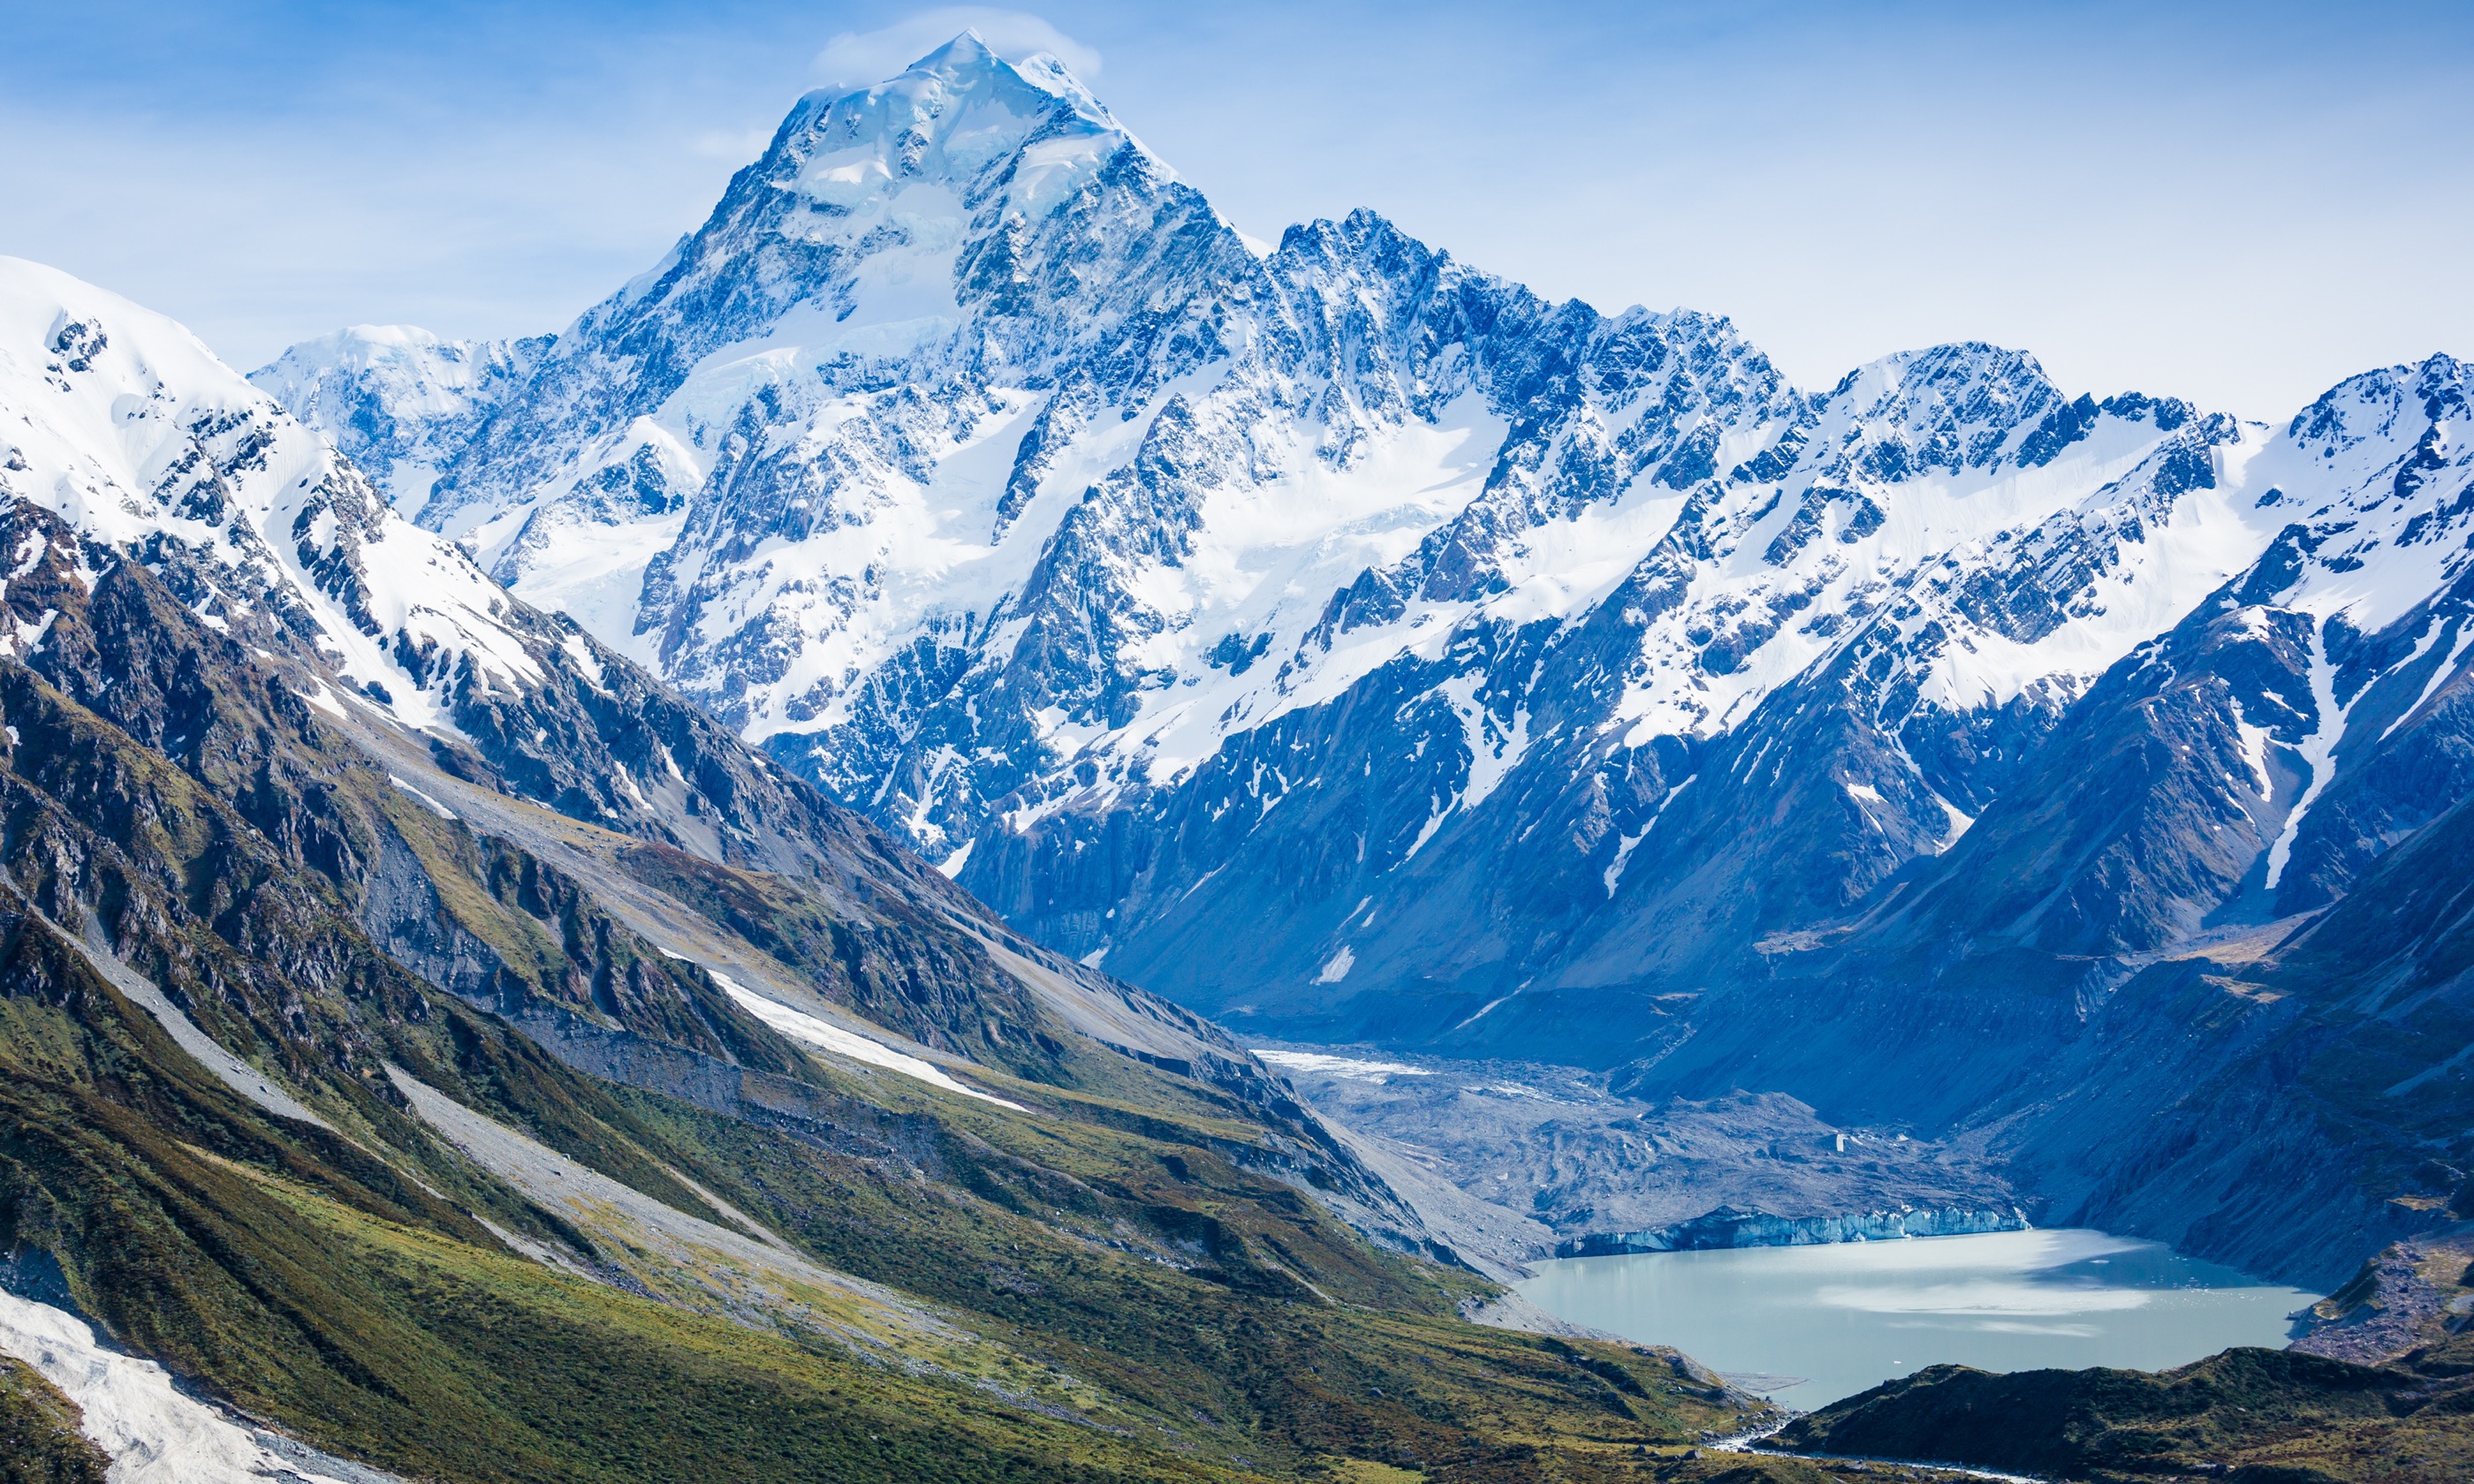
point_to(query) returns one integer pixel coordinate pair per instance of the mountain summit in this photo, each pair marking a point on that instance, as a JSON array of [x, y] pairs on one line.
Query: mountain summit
[[841, 253], [1353, 645], [1162, 590]]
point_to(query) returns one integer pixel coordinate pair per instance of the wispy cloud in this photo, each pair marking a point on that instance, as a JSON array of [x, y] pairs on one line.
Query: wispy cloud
[[855, 58], [739, 145]]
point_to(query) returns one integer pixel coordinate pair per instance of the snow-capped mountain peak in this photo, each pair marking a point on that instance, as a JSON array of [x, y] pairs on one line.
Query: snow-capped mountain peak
[[396, 398], [153, 450], [973, 464], [894, 181], [2366, 472], [949, 118], [914, 234]]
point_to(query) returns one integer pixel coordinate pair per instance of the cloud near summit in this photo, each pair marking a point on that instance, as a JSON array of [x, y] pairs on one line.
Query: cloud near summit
[[855, 58]]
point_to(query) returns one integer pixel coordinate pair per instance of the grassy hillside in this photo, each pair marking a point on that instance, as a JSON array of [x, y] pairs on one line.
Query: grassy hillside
[[469, 1168], [2260, 1417], [39, 1441], [298, 1278]]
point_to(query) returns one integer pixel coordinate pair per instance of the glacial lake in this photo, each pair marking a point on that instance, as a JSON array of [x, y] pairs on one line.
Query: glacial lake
[[1847, 1316]]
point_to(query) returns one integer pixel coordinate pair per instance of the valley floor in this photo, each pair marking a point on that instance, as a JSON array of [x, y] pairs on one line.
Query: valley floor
[[1555, 1157]]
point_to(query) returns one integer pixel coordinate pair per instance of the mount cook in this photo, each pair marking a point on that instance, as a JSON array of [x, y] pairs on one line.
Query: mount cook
[[1352, 645]]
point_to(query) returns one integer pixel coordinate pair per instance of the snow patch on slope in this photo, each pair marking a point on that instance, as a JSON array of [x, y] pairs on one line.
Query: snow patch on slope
[[153, 1433], [799, 1025]]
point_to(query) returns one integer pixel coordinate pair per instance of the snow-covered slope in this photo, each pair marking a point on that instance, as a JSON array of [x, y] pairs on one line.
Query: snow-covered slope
[[2252, 760], [958, 356], [397, 399], [123, 424], [1435, 642], [2377, 479]]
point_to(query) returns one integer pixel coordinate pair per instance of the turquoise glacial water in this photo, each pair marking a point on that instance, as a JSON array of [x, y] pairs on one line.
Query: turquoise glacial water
[[1839, 1318]]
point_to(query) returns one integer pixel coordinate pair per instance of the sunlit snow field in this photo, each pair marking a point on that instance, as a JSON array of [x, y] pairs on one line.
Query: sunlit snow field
[[1848, 1316]]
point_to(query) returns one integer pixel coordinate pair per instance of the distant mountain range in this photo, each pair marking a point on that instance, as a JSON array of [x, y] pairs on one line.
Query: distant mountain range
[[1354, 646]]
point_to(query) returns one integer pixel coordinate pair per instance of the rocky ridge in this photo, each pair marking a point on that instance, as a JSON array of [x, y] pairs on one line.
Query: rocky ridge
[[1157, 584], [1509, 678]]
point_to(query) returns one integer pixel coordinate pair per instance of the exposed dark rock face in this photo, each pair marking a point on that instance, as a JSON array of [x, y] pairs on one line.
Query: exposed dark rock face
[[2252, 1415]]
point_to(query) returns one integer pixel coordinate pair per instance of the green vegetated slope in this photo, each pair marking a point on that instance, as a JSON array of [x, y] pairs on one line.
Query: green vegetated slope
[[397, 1215], [2264, 1417]]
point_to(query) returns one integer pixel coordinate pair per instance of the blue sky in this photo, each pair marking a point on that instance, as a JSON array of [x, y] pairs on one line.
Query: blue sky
[[2234, 203]]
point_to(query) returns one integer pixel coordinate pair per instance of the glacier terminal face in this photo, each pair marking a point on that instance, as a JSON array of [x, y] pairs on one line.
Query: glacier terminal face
[[1727, 1227]]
